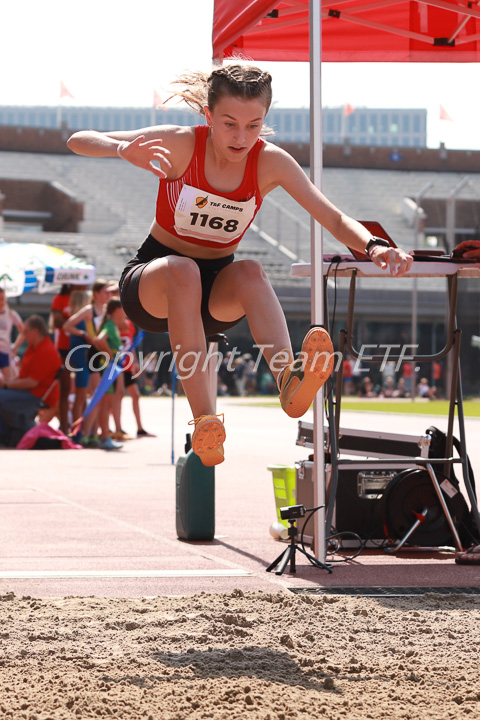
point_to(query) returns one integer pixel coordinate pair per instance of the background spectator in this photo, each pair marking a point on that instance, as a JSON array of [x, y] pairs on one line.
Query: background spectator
[[401, 391], [109, 341], [127, 333], [8, 320], [251, 378], [77, 356], [407, 375], [20, 396], [348, 387], [388, 388], [92, 314], [424, 390], [60, 312], [240, 375], [388, 372], [366, 389], [358, 374], [437, 377]]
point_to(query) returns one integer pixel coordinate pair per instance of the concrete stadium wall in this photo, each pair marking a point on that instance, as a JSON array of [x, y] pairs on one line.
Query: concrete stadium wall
[[48, 204], [51, 140], [388, 158], [31, 139]]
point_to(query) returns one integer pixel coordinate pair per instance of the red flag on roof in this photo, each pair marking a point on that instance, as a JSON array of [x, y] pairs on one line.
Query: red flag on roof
[[348, 110], [159, 101], [444, 114], [64, 91]]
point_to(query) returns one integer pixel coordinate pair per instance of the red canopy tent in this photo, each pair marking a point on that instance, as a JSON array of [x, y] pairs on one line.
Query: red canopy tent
[[352, 30], [341, 31]]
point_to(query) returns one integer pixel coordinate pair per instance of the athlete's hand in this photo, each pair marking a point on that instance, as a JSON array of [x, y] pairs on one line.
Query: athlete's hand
[[468, 249], [146, 154], [394, 259]]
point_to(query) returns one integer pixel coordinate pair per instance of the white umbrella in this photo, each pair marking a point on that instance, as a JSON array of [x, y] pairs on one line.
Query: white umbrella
[[33, 266]]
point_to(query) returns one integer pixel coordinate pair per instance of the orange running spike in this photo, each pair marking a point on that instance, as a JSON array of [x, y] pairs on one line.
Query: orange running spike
[[208, 438], [303, 378]]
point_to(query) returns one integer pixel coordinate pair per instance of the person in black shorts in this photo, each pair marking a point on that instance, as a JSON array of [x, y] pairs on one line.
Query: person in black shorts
[[213, 178]]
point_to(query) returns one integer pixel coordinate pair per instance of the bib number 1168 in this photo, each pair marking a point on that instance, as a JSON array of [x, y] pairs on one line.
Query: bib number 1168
[[216, 223]]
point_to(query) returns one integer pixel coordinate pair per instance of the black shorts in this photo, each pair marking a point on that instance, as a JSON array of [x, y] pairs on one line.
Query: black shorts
[[128, 377], [130, 280]]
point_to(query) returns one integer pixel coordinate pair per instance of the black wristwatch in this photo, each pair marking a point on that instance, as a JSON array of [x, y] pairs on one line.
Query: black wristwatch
[[373, 242]]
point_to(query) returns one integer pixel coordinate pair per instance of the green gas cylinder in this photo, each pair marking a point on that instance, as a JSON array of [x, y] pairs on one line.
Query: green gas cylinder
[[195, 497]]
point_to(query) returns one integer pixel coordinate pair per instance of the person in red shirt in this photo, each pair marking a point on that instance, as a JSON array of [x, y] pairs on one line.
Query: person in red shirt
[[127, 333], [20, 397], [407, 375], [437, 374], [60, 310]]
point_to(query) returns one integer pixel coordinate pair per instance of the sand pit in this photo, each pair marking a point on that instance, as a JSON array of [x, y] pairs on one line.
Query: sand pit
[[256, 655]]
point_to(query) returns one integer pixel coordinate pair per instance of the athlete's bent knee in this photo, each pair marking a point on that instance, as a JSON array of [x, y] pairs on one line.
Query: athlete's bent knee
[[183, 274], [252, 271]]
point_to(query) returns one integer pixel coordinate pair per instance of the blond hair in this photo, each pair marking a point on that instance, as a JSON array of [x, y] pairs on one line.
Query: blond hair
[[78, 300]]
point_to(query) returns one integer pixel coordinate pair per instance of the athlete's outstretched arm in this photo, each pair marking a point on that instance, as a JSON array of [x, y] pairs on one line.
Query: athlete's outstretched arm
[[142, 148], [283, 170]]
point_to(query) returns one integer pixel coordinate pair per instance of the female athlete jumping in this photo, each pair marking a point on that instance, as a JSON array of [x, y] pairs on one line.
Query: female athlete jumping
[[184, 278]]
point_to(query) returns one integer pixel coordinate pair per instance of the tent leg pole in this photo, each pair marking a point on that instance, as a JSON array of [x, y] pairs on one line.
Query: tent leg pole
[[317, 305]]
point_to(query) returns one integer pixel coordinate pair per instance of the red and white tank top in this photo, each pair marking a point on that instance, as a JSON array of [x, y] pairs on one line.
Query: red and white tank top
[[190, 209]]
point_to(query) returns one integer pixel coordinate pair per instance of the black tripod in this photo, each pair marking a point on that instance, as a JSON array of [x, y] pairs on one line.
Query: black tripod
[[289, 554]]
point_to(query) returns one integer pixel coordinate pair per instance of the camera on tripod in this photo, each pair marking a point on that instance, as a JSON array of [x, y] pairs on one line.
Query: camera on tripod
[[292, 512]]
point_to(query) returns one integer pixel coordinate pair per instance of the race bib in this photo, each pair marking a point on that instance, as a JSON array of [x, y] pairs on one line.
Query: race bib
[[211, 217]]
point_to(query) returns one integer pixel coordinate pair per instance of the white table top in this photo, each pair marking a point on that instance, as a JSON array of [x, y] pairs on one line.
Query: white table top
[[368, 269]]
